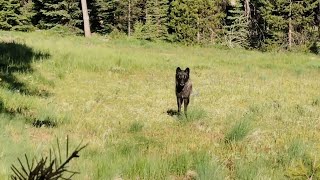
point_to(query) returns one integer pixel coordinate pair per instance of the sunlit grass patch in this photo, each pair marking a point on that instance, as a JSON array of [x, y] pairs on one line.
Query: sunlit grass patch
[[136, 126], [308, 168], [296, 150], [209, 167], [254, 169], [301, 161], [193, 114], [195, 165], [240, 129], [314, 64]]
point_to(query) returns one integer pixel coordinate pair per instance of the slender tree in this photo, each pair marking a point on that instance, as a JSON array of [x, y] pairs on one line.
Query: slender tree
[[85, 15]]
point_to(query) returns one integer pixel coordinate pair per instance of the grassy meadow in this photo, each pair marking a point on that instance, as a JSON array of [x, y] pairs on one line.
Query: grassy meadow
[[252, 115]]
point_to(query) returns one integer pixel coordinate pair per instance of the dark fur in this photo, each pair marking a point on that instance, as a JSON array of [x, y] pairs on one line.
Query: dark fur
[[183, 88]]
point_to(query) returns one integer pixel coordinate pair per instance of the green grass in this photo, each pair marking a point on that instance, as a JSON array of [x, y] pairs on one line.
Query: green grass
[[194, 114], [136, 127], [239, 131], [252, 115]]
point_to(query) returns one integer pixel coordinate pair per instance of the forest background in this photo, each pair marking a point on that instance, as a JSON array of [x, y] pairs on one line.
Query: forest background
[[253, 24]]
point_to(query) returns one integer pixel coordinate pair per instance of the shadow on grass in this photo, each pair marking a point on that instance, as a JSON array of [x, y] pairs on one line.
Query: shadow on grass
[[193, 114], [44, 123], [172, 112], [17, 58]]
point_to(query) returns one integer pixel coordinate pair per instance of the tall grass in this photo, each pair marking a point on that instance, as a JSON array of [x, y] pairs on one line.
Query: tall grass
[[239, 130], [115, 94]]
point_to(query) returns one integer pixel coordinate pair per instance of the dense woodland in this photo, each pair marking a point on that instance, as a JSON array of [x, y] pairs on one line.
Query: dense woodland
[[252, 24]]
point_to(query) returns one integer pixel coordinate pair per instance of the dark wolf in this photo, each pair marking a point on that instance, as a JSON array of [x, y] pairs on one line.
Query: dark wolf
[[183, 88]]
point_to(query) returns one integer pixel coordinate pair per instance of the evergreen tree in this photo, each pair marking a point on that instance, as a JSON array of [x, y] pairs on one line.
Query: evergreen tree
[[257, 26], [288, 22], [209, 22], [192, 20], [304, 22], [237, 28], [156, 19], [183, 21], [50, 13], [108, 15], [135, 12], [265, 24], [74, 11], [14, 15], [102, 15]]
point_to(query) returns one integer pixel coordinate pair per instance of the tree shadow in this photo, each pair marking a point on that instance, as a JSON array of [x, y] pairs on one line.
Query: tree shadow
[[17, 58], [315, 48]]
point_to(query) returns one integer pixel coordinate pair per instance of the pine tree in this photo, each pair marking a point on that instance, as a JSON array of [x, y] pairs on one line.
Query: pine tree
[[15, 16], [74, 11], [209, 22], [288, 22], [194, 21], [237, 28], [135, 12], [156, 19], [51, 13], [183, 21], [102, 15], [109, 15], [304, 22], [8, 16]]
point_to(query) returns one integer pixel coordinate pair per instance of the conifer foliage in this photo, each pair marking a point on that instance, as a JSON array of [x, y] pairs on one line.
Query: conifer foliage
[[14, 15], [260, 24], [237, 28], [50, 13]]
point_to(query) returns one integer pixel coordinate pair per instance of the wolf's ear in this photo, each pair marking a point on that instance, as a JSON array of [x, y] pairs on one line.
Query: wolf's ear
[[178, 69], [187, 70]]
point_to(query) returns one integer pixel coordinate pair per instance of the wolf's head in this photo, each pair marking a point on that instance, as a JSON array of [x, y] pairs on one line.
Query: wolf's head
[[182, 76]]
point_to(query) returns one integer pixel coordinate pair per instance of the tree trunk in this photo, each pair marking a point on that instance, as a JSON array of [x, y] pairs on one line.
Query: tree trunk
[[290, 29], [211, 36], [318, 16], [85, 15], [198, 33], [247, 9], [157, 13], [290, 33], [129, 19]]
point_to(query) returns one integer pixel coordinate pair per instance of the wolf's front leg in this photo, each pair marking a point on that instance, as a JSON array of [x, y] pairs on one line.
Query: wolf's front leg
[[186, 103], [179, 102]]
